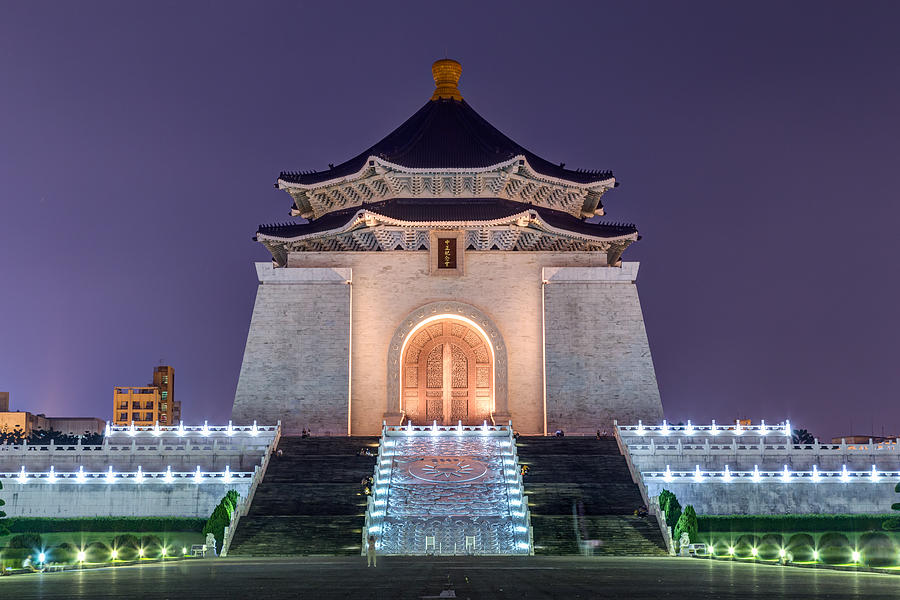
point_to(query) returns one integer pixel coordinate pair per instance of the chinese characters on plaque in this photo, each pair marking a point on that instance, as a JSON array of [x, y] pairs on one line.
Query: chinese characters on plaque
[[446, 253]]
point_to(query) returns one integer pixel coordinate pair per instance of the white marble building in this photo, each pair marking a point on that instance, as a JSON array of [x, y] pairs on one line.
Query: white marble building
[[447, 274]]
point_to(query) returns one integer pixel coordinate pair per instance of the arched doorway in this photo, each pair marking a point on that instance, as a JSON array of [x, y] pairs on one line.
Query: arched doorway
[[447, 373]]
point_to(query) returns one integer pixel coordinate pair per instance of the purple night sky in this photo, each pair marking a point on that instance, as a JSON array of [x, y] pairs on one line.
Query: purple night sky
[[757, 146]]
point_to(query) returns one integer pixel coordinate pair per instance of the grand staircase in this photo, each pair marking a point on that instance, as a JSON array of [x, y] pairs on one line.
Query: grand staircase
[[310, 501], [582, 499]]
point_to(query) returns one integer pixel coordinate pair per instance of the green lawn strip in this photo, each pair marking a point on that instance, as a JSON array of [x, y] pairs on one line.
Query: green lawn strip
[[174, 540]]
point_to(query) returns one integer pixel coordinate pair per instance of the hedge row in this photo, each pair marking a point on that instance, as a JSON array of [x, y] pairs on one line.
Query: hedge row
[[789, 523], [132, 524]]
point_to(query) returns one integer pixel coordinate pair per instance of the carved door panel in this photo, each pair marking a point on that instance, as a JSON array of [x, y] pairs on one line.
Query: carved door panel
[[447, 375], [433, 389]]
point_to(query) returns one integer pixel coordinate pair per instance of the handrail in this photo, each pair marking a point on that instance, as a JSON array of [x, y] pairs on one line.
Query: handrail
[[652, 504], [258, 474]]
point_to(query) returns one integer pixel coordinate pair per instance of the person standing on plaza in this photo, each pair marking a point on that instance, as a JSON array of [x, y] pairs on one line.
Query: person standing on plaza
[[370, 551]]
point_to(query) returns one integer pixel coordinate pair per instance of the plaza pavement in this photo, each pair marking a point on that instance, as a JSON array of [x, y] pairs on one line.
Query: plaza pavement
[[318, 578]]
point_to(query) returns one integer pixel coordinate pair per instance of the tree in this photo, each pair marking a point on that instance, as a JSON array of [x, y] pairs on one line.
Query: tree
[[221, 516], [802, 436], [670, 506], [893, 523], [687, 522], [3, 529]]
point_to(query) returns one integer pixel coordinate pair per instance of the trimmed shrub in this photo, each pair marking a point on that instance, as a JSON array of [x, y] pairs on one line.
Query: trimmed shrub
[[877, 549], [891, 524], [221, 517], [789, 523], [687, 522], [3, 519], [770, 545], [152, 546], [801, 546], [744, 544], [28, 541], [97, 552], [126, 546], [63, 553], [50, 525], [835, 549]]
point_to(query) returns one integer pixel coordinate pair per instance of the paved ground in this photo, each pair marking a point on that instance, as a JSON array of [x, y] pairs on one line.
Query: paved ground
[[475, 578]]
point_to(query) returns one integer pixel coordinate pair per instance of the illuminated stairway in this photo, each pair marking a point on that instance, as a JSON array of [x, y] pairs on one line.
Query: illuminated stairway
[[582, 499], [310, 501], [446, 491]]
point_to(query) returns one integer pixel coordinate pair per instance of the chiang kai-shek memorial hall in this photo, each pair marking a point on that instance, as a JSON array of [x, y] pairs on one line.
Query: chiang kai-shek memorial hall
[[447, 274]]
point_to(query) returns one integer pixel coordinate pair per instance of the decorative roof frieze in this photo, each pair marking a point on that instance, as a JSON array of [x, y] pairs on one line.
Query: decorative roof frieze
[[512, 180]]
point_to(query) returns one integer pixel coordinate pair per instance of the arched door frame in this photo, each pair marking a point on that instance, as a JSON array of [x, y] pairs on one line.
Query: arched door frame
[[449, 310]]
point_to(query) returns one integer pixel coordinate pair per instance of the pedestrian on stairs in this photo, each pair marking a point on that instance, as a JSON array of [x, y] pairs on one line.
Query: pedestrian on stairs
[[370, 551]]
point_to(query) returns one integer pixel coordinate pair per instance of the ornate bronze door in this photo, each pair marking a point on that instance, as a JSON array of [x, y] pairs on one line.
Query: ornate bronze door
[[447, 375]]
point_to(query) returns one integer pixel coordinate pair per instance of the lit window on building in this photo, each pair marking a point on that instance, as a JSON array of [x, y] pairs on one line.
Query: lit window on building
[[165, 394], [123, 416]]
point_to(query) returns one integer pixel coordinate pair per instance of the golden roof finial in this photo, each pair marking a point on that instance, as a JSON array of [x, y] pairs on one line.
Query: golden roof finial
[[446, 74]]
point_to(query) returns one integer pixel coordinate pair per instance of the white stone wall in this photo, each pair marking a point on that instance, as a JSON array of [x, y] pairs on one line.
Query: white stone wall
[[652, 454], [296, 361], [599, 366], [297, 324], [122, 499]]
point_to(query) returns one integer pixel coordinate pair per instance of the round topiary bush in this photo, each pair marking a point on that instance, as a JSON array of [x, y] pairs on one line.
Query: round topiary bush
[[28, 541], [126, 546], [743, 546], [801, 547], [97, 552], [877, 549], [770, 545], [152, 546], [835, 549], [62, 553]]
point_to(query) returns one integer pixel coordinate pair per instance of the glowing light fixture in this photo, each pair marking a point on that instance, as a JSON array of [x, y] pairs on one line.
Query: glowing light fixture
[[755, 478], [114, 554], [730, 550], [184, 551], [132, 430], [139, 476], [228, 475], [42, 558], [845, 476], [689, 430], [762, 427], [51, 476], [874, 475], [786, 475], [110, 475], [665, 428], [81, 556], [522, 545], [640, 428], [434, 427], [726, 475], [230, 430], [712, 428], [754, 551], [815, 474], [521, 529], [168, 476], [79, 476], [737, 427], [141, 552], [787, 429], [205, 431], [459, 427], [698, 474], [181, 429], [854, 556], [782, 553], [156, 430], [108, 430], [815, 555], [254, 431], [22, 478], [198, 475], [667, 476]]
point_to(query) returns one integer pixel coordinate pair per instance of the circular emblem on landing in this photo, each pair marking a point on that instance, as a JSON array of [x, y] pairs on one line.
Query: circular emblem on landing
[[453, 469]]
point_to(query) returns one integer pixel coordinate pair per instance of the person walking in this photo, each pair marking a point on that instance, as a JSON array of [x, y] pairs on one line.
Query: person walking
[[370, 551]]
